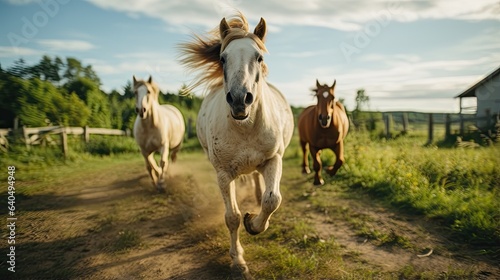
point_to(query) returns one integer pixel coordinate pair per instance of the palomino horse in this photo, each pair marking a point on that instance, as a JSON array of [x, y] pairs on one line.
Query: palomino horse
[[157, 128], [323, 126], [244, 123]]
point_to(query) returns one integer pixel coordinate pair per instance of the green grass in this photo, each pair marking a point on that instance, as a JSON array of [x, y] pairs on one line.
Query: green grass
[[126, 240], [459, 187], [291, 249]]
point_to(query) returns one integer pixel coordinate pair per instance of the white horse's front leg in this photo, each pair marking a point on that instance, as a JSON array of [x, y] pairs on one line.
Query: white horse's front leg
[[152, 167], [163, 168], [233, 219], [271, 199]]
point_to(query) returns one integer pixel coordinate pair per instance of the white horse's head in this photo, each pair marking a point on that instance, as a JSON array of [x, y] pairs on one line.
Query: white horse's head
[[146, 92], [244, 70], [326, 103]]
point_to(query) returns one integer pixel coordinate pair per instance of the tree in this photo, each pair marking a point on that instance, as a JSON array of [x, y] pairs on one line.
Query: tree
[[361, 99], [75, 70], [128, 91], [19, 69], [116, 107], [10, 86], [47, 70]]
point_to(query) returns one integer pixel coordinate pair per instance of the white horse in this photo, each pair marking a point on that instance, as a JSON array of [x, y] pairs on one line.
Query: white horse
[[244, 123], [157, 128]]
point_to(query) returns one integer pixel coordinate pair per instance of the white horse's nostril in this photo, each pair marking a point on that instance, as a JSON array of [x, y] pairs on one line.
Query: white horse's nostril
[[229, 98], [248, 98]]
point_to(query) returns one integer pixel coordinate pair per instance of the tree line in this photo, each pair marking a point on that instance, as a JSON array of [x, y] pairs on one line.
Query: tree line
[[66, 92]]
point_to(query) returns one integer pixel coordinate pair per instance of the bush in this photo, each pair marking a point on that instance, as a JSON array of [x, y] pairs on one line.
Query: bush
[[109, 145]]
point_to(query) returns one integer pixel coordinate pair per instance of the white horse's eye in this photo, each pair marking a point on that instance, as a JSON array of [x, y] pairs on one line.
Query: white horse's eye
[[222, 60], [260, 58]]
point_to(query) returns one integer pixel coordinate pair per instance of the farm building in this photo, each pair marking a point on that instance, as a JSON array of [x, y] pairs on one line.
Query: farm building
[[487, 94]]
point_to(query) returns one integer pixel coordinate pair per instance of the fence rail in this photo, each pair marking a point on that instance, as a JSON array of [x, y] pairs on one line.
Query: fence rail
[[42, 135], [395, 123]]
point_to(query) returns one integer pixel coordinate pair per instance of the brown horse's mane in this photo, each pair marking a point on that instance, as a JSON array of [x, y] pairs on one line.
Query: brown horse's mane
[[203, 53]]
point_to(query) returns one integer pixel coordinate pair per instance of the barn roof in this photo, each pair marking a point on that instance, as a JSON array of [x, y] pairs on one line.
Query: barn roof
[[471, 92]]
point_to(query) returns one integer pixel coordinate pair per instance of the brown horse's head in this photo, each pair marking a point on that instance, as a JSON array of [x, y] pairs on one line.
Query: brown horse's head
[[326, 103]]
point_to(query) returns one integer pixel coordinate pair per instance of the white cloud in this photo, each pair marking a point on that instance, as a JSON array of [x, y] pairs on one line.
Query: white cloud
[[399, 82], [341, 15], [164, 71], [17, 51], [22, 2], [65, 45]]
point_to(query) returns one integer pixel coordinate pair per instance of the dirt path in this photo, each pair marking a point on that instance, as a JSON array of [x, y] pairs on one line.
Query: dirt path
[[113, 225], [408, 242]]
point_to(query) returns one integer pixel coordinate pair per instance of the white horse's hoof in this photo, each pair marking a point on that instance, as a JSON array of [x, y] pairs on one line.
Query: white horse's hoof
[[160, 187], [240, 272], [247, 222]]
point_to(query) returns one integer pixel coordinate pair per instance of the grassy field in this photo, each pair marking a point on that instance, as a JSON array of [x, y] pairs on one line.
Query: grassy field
[[396, 199], [453, 190]]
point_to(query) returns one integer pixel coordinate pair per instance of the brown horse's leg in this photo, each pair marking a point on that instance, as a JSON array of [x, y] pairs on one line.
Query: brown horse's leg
[[316, 153], [339, 155], [305, 162]]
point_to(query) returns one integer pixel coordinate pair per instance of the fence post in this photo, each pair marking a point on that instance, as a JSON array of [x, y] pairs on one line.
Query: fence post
[[462, 125], [86, 134], [431, 129], [387, 122], [16, 123], [26, 137], [447, 127], [405, 123], [189, 128], [64, 141]]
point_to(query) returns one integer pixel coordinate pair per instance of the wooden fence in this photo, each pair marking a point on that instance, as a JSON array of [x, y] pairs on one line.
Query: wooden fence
[[43, 135], [4, 142], [462, 124], [399, 123]]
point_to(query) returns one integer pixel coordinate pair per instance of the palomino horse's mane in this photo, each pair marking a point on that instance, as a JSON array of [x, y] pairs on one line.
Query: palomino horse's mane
[[203, 53]]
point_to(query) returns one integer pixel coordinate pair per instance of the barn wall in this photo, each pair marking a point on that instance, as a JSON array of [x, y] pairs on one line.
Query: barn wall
[[488, 98]]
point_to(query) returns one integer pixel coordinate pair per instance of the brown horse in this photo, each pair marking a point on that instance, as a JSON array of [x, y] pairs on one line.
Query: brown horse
[[323, 126]]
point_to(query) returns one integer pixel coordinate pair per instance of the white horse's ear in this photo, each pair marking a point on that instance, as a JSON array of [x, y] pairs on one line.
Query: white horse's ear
[[317, 84], [134, 79], [261, 30], [223, 28], [150, 80], [334, 83]]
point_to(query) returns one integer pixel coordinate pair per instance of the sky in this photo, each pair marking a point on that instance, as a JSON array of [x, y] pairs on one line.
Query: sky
[[406, 55]]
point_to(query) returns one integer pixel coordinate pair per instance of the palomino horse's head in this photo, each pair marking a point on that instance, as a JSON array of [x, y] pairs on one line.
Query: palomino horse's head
[[146, 92], [326, 103], [241, 57]]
